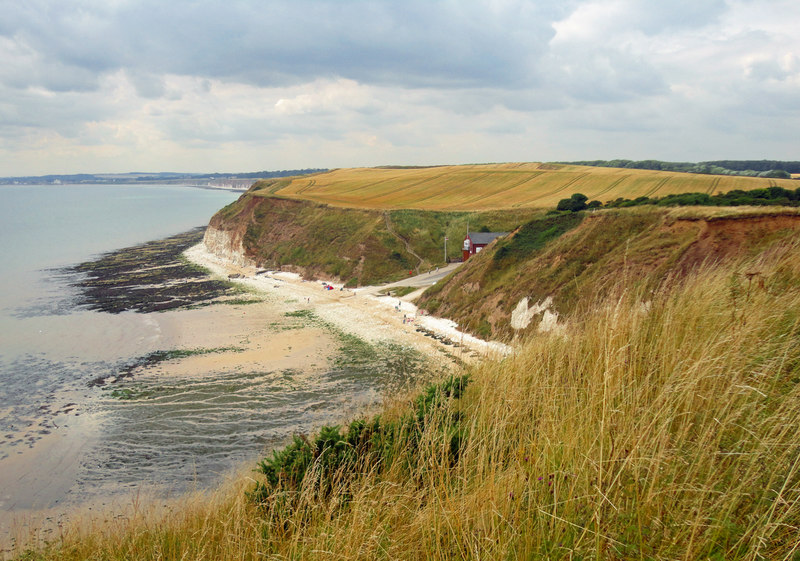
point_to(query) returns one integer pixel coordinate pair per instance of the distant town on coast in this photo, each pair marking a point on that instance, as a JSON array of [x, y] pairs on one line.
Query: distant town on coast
[[231, 180]]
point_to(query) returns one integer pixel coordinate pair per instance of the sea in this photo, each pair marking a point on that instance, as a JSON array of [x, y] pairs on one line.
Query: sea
[[65, 442], [48, 346]]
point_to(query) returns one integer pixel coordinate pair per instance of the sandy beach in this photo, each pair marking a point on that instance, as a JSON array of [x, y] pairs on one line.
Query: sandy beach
[[249, 330]]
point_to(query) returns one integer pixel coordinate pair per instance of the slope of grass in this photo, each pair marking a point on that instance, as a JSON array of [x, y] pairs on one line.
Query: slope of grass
[[659, 425], [367, 226], [582, 258], [359, 246], [353, 245], [499, 186]]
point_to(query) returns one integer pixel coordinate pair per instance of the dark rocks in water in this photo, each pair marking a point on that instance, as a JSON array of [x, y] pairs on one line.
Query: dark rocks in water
[[149, 277]]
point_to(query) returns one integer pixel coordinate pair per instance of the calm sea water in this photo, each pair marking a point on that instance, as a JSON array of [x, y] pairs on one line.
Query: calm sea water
[[48, 349], [64, 442], [47, 226]]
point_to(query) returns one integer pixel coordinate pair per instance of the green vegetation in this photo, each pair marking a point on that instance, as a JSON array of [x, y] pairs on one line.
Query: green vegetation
[[657, 425], [318, 240], [574, 259], [125, 394], [400, 291], [657, 422], [370, 226], [239, 301], [771, 196], [395, 362], [174, 354], [575, 203], [532, 237], [386, 359], [226, 302], [366, 247], [498, 277], [306, 314], [332, 460], [425, 230]]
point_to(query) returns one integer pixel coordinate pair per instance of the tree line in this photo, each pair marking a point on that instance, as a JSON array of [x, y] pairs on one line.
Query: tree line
[[770, 196], [750, 168]]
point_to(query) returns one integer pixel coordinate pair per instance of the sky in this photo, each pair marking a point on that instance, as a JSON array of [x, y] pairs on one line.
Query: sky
[[106, 86]]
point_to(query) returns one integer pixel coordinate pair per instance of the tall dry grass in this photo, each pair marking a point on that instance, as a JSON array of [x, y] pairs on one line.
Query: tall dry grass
[[657, 426]]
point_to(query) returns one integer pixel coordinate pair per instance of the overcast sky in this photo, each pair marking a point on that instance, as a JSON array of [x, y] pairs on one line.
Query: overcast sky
[[237, 85]]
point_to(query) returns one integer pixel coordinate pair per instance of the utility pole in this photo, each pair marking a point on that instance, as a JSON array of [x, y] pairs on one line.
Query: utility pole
[[445, 250]]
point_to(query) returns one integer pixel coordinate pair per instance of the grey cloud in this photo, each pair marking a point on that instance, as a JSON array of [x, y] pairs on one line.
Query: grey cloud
[[597, 119], [436, 79], [665, 17], [778, 104], [77, 35], [148, 86], [767, 70], [604, 75], [505, 127], [62, 113], [427, 44]]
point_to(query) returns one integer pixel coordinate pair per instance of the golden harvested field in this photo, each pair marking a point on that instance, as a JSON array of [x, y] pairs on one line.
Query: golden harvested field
[[501, 186]]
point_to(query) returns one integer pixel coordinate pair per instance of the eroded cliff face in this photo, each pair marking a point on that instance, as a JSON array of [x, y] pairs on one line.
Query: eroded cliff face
[[609, 252], [349, 245], [227, 244]]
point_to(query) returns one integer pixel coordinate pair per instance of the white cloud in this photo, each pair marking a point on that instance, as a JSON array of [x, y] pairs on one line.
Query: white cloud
[[327, 97]]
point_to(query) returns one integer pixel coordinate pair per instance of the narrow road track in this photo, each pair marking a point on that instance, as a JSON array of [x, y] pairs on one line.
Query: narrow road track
[[419, 281], [402, 239]]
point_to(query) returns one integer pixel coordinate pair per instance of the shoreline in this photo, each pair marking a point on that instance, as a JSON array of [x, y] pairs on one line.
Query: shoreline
[[361, 311]]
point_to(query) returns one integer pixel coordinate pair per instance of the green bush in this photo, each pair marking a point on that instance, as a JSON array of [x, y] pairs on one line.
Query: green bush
[[534, 235], [575, 203], [771, 196], [334, 458]]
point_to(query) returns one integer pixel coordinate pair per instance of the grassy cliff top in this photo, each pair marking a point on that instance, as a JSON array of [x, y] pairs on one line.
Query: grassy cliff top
[[495, 186]]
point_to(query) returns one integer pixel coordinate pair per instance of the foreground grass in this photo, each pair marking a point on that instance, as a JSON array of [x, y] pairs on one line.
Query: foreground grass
[[657, 426]]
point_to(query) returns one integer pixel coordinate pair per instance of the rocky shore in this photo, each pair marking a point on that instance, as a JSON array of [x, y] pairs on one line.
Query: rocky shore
[[150, 277]]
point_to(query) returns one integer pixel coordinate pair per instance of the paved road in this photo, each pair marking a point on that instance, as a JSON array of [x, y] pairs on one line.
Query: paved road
[[425, 279]]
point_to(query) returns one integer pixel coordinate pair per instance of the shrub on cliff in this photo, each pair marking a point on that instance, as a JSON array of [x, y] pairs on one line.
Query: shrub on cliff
[[333, 458]]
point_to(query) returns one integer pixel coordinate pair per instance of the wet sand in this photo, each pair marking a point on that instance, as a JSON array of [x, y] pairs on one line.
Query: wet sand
[[40, 481], [256, 334]]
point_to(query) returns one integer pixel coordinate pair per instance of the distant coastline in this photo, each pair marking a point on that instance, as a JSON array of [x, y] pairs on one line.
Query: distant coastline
[[235, 180]]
